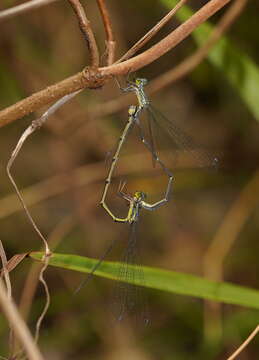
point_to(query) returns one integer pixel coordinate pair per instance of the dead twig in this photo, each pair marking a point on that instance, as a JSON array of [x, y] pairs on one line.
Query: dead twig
[[151, 33], [5, 271], [96, 78], [47, 303], [9, 292], [245, 343], [227, 234], [190, 63], [23, 8], [29, 288], [18, 325], [36, 124], [110, 43], [85, 27], [181, 70]]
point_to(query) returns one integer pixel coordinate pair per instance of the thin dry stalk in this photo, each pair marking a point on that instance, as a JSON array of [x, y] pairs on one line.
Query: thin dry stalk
[[152, 32], [167, 43], [16, 151], [5, 271], [29, 289], [110, 43], [96, 78], [221, 245], [45, 309], [19, 327], [9, 292], [190, 63], [181, 70], [36, 124], [23, 8], [245, 343], [85, 27]]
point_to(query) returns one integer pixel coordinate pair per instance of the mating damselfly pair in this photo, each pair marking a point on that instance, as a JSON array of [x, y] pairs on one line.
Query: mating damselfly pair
[[130, 272]]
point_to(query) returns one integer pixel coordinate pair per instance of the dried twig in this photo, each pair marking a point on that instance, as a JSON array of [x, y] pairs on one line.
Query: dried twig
[[110, 43], [151, 33], [19, 327], [181, 70], [245, 343], [5, 271], [47, 303], [87, 32], [86, 79], [29, 288], [16, 151], [9, 292], [190, 63], [36, 124], [23, 8], [228, 232]]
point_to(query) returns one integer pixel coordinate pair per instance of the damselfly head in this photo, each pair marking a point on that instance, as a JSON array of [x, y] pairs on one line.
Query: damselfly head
[[139, 196], [141, 81]]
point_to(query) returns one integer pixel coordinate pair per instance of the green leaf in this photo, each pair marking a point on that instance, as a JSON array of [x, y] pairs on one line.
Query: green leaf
[[170, 281], [237, 67]]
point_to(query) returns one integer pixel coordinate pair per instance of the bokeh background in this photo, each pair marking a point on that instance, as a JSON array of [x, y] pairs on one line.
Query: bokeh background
[[61, 171]]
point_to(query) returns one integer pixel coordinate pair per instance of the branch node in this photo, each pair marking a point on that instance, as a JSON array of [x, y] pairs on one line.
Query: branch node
[[94, 77]]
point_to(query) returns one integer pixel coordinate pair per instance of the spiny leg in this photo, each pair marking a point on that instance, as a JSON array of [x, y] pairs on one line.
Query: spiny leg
[[164, 168]]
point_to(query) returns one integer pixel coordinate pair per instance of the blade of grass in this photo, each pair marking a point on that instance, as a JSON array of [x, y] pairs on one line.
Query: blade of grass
[[170, 281], [239, 69]]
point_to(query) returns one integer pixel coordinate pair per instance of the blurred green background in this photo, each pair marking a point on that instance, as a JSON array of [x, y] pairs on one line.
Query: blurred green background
[[209, 206]]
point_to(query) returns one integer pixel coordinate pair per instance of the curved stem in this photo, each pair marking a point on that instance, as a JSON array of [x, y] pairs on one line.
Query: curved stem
[[85, 27], [110, 43]]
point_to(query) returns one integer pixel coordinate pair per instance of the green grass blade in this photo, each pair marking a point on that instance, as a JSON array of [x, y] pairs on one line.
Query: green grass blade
[[170, 281], [237, 67]]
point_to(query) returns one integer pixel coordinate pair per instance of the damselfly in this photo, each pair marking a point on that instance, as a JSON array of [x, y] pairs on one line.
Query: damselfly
[[176, 135]]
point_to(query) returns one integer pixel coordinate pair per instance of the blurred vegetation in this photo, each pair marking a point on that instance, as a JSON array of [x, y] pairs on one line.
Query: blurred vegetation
[[220, 112]]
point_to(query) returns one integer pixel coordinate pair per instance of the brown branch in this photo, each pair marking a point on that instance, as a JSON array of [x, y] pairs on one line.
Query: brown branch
[[168, 43], [181, 70], [84, 79], [152, 32], [110, 43], [195, 59], [85, 27], [46, 96], [23, 8]]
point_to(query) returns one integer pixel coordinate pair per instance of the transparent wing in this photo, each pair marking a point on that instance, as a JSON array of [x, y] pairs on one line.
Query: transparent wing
[[201, 157], [130, 301], [95, 267], [152, 140]]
